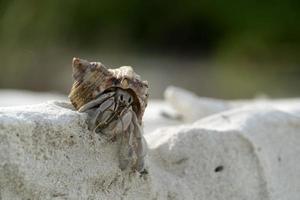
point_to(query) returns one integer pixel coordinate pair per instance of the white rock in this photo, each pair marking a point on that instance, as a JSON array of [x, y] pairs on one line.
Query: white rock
[[193, 107], [46, 152], [274, 139], [248, 153], [9, 97], [159, 114], [190, 106]]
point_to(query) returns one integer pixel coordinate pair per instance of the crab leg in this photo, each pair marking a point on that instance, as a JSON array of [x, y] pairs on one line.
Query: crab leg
[[133, 146], [119, 126], [96, 101], [98, 113], [141, 145], [126, 152]]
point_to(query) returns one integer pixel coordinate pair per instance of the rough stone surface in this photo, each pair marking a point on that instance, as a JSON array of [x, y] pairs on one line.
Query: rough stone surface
[[249, 153], [46, 152]]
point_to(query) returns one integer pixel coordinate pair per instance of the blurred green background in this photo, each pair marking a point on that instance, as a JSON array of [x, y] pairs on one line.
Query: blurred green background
[[223, 49]]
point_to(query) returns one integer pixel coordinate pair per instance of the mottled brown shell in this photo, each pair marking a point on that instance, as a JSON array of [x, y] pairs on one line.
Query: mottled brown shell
[[92, 79]]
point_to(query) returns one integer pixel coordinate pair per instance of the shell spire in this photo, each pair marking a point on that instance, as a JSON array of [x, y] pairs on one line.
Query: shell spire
[[80, 66], [93, 78]]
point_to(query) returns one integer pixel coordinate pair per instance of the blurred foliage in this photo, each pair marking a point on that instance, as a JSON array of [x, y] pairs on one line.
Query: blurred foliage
[[201, 24], [232, 33]]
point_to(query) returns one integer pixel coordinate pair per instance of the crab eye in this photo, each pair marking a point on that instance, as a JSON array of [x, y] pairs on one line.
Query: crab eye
[[121, 97], [129, 100]]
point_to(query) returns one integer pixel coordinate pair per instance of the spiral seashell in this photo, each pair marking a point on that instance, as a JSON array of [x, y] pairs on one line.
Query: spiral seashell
[[92, 79]]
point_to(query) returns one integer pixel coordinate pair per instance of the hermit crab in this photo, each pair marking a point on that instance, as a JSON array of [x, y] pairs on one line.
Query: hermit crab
[[115, 101]]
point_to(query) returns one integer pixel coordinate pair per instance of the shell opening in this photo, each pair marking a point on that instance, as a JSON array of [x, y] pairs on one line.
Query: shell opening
[[136, 106]]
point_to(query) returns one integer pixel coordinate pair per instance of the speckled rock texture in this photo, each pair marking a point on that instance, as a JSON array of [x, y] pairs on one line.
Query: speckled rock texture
[[249, 152]]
